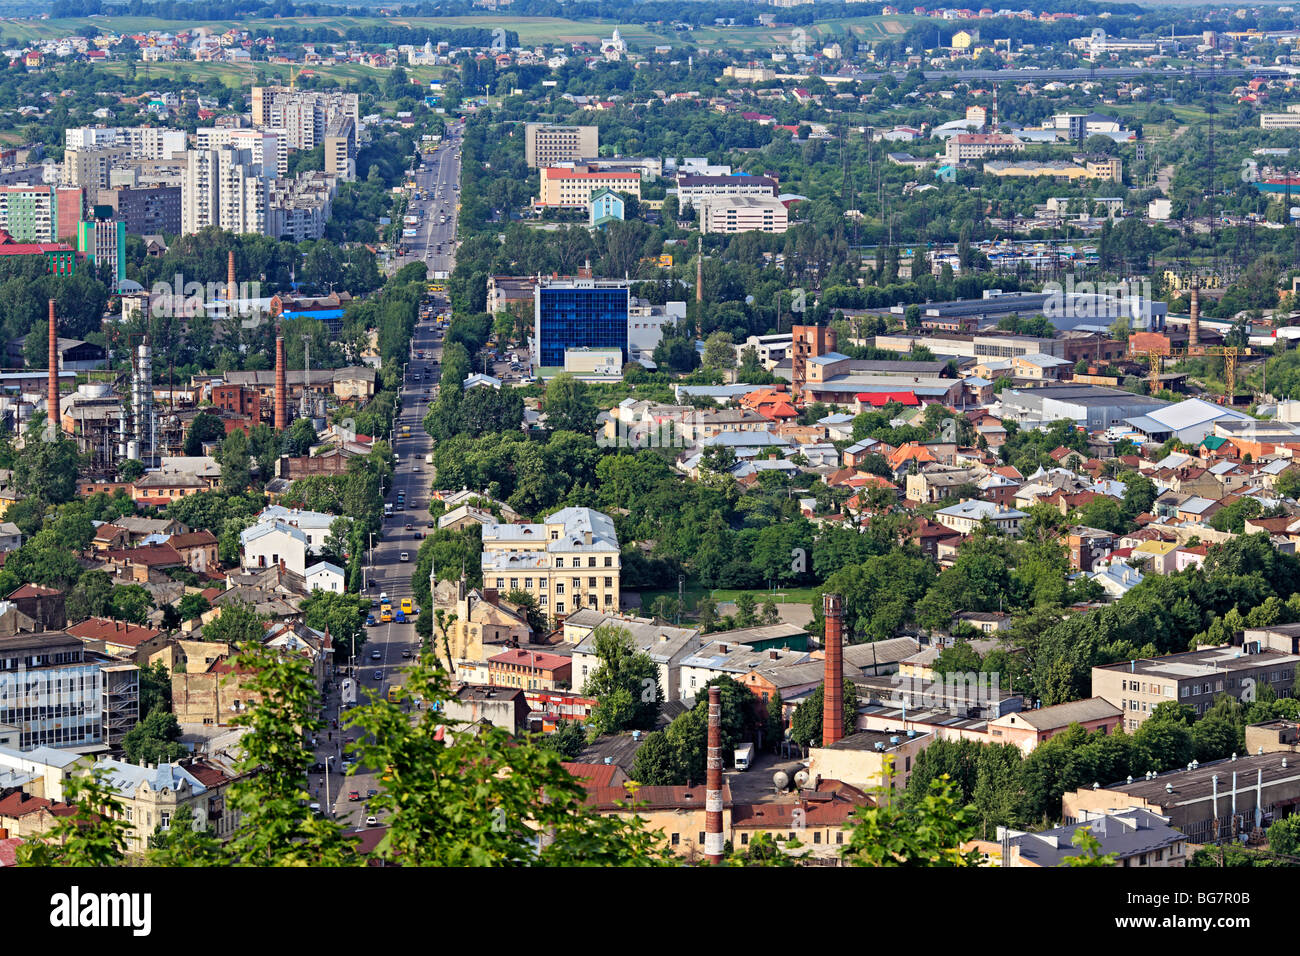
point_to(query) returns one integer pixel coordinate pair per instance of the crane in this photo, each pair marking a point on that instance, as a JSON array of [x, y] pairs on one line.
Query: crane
[[1229, 353]]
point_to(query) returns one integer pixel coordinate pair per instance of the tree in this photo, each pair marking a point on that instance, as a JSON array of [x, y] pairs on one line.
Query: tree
[[155, 688], [276, 827], [192, 605], [719, 352], [568, 739], [237, 624], [535, 616], [625, 684], [234, 459], [156, 739], [204, 427], [931, 834], [568, 406], [93, 835], [47, 470], [1284, 836], [186, 842], [341, 614], [806, 722], [1089, 851], [451, 802], [298, 438], [131, 602]]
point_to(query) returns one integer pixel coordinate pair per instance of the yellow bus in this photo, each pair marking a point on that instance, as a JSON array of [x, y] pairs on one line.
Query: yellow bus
[[394, 693], [408, 607]]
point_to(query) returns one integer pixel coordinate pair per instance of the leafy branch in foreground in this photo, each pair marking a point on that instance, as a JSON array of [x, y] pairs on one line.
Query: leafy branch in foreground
[[277, 828], [95, 835], [473, 795], [930, 833]]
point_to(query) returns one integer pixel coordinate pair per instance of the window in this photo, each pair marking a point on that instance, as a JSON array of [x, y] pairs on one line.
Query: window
[[501, 583], [591, 562], [817, 836], [677, 839], [591, 582], [559, 607], [166, 820], [609, 562], [1185, 692], [514, 584], [744, 839], [528, 584], [559, 562], [609, 582], [701, 839], [559, 587]]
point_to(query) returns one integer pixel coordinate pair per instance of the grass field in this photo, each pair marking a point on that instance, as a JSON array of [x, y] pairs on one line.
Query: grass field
[[533, 31]]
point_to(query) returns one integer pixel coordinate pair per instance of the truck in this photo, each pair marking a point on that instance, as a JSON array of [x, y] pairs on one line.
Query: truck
[[744, 756], [410, 233]]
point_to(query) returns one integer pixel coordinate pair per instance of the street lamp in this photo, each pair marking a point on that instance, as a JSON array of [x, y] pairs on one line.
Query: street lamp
[[329, 808]]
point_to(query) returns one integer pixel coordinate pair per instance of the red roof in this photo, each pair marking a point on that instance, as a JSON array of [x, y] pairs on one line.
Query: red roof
[[33, 590], [880, 399], [593, 776], [523, 658], [161, 555], [113, 632]]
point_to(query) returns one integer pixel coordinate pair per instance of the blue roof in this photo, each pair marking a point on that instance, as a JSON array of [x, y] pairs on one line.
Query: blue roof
[[315, 314]]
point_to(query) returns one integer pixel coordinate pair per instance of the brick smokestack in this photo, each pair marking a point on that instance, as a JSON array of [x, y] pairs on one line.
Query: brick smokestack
[[52, 395], [833, 683], [713, 781], [232, 288], [281, 390], [1194, 323]]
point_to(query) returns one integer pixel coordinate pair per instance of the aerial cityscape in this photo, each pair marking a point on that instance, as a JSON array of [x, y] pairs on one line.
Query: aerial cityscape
[[757, 433]]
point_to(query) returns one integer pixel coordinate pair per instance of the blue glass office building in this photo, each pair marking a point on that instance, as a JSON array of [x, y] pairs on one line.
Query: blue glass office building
[[578, 313]]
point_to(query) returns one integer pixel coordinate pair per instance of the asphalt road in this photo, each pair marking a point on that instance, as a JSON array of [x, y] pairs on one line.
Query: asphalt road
[[438, 178], [390, 647]]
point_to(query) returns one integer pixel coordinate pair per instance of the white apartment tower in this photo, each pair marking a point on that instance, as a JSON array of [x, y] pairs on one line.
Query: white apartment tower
[[223, 187]]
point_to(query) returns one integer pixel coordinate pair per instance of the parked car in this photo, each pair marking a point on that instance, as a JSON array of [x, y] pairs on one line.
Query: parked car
[[372, 821]]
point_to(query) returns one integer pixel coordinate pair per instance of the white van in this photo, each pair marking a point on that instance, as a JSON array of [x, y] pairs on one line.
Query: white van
[[428, 459]]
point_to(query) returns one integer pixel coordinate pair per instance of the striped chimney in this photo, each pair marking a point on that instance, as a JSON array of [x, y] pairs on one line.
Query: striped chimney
[[232, 289], [281, 390], [713, 781], [1194, 318], [833, 683], [52, 395]]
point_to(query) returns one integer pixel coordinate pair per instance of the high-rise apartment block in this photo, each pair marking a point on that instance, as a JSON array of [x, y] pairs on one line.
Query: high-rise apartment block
[[547, 145], [225, 188], [305, 115]]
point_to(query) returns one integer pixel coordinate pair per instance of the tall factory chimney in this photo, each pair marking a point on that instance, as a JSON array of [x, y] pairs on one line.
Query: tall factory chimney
[[833, 683], [713, 781], [281, 391], [232, 289], [1194, 322], [52, 394]]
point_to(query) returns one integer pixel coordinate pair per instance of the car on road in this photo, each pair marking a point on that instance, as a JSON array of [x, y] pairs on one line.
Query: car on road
[[372, 821], [408, 526], [376, 656], [404, 556], [371, 793], [370, 620], [431, 523], [318, 767], [386, 616], [315, 808], [406, 654], [354, 796], [378, 675]]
